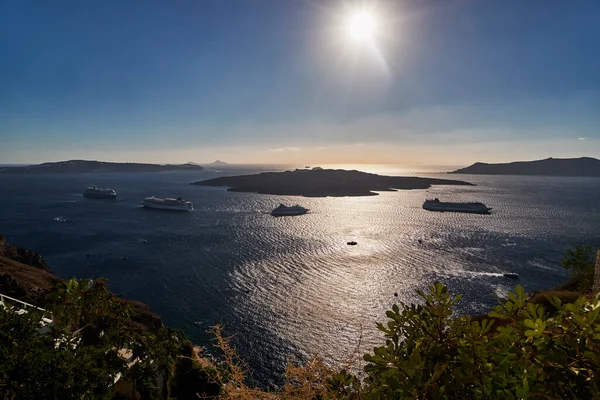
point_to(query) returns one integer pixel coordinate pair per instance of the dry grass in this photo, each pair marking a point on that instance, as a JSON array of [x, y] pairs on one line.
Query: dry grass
[[308, 381], [305, 381], [233, 373]]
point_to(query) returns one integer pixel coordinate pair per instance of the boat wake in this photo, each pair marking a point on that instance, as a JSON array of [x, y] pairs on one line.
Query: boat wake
[[494, 274], [511, 275]]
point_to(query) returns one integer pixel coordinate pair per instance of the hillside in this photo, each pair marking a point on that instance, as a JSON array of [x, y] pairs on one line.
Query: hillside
[[84, 166], [323, 182], [25, 276], [584, 166]]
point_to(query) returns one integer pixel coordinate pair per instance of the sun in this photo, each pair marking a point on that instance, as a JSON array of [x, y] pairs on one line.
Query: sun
[[362, 27], [362, 31]]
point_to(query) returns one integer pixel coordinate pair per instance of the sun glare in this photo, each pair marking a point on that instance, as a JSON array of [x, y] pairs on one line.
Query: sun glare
[[362, 26], [361, 33]]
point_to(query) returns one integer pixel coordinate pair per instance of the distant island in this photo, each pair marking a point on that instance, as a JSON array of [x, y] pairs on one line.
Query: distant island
[[322, 182], [83, 166], [584, 166], [218, 162]]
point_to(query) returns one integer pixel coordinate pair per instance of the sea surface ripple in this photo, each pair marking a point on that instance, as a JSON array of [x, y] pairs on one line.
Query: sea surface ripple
[[291, 286]]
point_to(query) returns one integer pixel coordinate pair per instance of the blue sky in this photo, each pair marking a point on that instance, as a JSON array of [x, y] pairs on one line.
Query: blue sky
[[444, 82]]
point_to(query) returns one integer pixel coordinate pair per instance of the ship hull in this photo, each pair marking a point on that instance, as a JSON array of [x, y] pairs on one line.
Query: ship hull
[[467, 210], [162, 207], [288, 213], [99, 196]]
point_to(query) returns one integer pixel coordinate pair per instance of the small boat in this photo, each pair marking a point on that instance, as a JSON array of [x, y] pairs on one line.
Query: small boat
[[511, 275], [168, 204], [472, 207], [283, 210], [94, 192]]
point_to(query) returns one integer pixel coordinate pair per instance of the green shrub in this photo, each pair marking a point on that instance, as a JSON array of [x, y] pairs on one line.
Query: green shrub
[[35, 366], [81, 356], [545, 298], [526, 348], [581, 261], [429, 355]]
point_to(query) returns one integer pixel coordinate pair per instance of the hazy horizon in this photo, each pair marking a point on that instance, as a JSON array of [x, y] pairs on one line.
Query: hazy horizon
[[367, 167], [300, 157], [307, 82]]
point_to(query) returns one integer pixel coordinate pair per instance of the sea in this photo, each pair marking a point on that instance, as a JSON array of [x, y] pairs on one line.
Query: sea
[[288, 288]]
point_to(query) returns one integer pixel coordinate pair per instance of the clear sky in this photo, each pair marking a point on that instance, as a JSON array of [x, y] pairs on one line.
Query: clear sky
[[258, 81]]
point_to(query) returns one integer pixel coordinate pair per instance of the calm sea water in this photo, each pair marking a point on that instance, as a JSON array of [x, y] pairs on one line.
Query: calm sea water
[[290, 287]]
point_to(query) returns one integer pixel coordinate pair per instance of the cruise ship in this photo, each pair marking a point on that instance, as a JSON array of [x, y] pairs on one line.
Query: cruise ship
[[99, 193], [473, 207], [283, 210], [168, 204]]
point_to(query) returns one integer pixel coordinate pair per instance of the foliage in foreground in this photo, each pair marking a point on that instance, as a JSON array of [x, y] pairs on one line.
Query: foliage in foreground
[[88, 348], [38, 366], [535, 355], [581, 261], [520, 351]]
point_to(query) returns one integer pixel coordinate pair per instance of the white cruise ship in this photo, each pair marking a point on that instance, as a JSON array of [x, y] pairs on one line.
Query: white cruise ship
[[294, 210], [473, 207], [168, 204], [99, 193]]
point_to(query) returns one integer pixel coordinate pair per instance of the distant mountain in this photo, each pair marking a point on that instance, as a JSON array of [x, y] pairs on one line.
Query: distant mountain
[[83, 166], [218, 162], [584, 166]]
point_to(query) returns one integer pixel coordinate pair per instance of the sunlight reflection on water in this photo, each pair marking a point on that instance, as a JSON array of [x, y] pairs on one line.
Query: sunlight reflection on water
[[292, 286]]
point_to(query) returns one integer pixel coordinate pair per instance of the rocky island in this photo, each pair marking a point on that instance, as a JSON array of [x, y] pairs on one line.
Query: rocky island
[[84, 166], [584, 166], [323, 182]]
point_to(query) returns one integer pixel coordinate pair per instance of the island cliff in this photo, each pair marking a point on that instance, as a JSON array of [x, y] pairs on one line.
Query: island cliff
[[323, 182], [25, 276], [84, 166], [584, 166]]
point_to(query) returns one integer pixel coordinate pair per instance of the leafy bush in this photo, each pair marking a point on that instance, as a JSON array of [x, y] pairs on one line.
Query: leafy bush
[[519, 351], [537, 355], [545, 298], [90, 345], [581, 261], [38, 366], [524, 349]]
